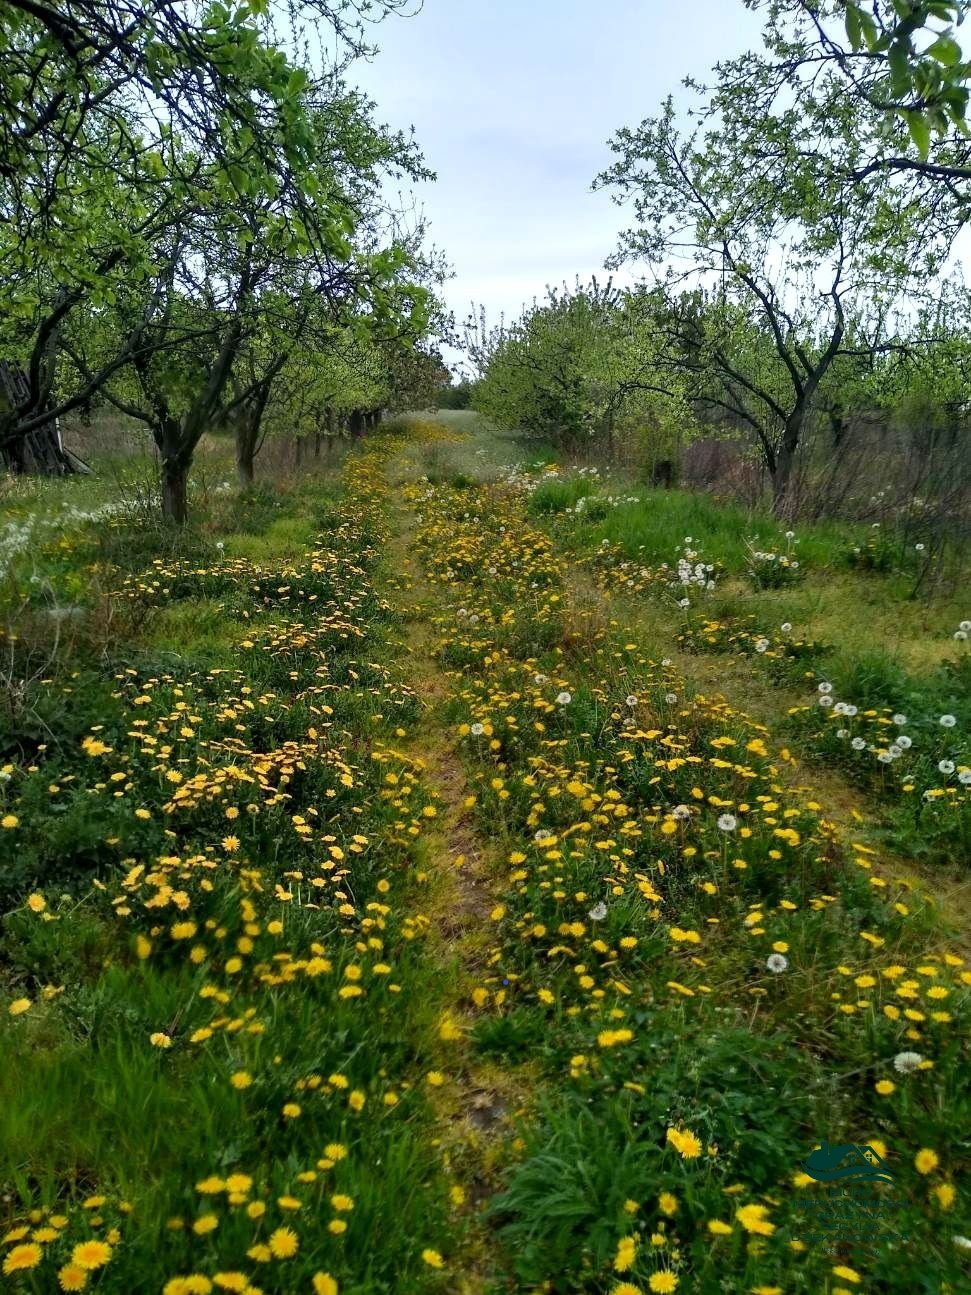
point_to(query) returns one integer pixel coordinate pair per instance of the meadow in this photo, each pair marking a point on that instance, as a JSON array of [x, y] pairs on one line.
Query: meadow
[[453, 868]]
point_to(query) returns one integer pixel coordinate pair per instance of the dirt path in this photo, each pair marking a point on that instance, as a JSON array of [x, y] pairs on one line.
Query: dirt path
[[476, 1104]]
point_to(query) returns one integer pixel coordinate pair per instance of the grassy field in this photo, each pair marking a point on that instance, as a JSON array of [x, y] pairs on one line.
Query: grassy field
[[415, 880]]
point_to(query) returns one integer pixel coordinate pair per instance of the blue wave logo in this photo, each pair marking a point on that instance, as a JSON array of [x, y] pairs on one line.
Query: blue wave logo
[[834, 1162]]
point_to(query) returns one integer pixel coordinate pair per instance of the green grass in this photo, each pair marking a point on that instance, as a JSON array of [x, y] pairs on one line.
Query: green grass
[[476, 449], [630, 980], [235, 656], [832, 602], [247, 681], [558, 495]]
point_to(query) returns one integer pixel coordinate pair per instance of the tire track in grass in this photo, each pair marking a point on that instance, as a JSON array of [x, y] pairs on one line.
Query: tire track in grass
[[476, 1101]]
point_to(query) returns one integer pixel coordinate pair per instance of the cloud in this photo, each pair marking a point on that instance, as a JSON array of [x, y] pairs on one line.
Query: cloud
[[513, 104]]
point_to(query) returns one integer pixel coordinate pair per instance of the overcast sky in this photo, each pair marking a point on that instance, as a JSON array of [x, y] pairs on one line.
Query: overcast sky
[[513, 104]]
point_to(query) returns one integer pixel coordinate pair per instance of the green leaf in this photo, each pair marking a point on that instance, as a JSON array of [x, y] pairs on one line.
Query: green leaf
[[854, 30], [945, 50], [297, 81], [919, 132], [871, 33], [899, 69]]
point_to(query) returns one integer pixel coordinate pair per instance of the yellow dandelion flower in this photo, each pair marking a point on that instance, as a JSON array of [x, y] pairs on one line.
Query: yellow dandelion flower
[[22, 1257], [926, 1161], [685, 1143], [231, 1281], [283, 1243], [626, 1253], [91, 1255], [753, 1219]]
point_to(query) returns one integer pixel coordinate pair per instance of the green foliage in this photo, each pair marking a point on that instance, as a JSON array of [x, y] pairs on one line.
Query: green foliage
[[577, 369], [176, 277], [928, 82], [565, 1201], [458, 395]]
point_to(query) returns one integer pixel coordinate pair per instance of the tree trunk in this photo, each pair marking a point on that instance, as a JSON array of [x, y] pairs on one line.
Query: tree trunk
[[784, 461], [175, 469], [837, 427], [244, 461], [247, 435], [12, 447], [175, 480]]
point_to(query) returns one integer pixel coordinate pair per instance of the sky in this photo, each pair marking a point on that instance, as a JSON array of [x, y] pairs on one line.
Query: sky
[[513, 104]]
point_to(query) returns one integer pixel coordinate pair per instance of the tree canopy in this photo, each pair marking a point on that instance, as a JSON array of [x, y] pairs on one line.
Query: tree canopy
[[186, 196]]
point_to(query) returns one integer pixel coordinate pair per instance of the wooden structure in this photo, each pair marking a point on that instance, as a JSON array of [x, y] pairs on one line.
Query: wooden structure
[[41, 450]]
